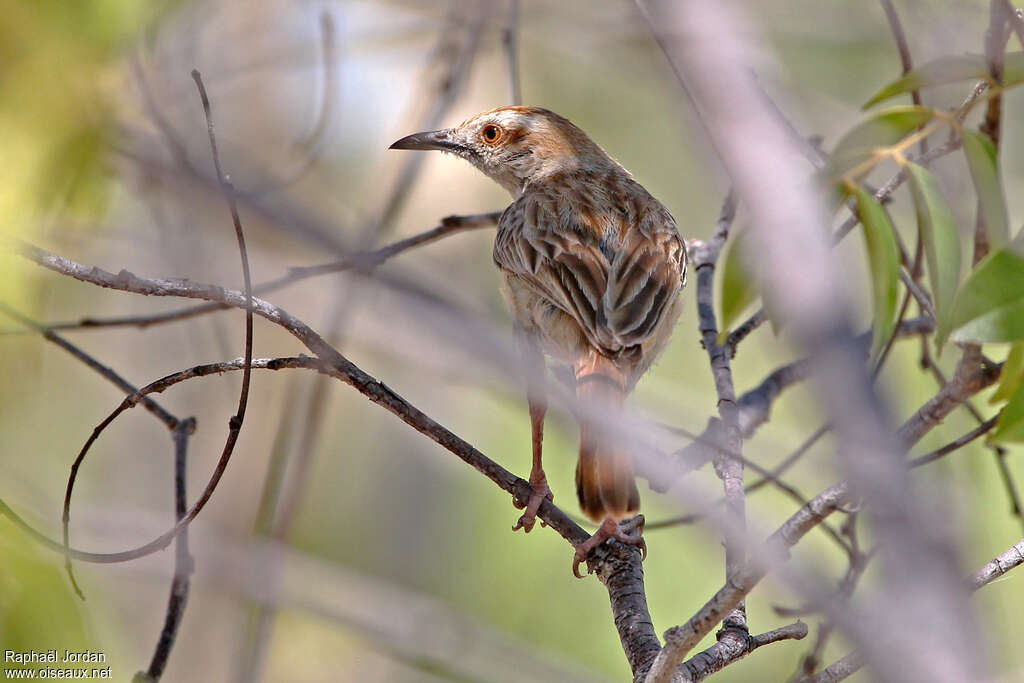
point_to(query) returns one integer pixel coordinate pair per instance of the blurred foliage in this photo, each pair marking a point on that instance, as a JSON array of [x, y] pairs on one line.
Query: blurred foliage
[[38, 610], [58, 66]]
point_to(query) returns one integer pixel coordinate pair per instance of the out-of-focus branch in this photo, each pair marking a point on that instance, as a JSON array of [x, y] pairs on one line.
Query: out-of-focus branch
[[458, 44], [851, 663], [510, 41], [882, 194], [683, 639], [707, 44]]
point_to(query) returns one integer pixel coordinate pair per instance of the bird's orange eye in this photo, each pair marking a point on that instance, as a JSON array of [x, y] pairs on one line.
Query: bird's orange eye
[[491, 133]]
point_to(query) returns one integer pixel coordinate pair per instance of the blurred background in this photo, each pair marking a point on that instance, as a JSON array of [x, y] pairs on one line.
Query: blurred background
[[340, 544]]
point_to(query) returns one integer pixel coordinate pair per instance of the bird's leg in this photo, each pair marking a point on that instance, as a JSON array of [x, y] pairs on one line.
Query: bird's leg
[[533, 360], [629, 532]]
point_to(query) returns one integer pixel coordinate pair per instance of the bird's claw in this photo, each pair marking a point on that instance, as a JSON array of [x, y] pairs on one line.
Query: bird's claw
[[541, 492], [629, 532]]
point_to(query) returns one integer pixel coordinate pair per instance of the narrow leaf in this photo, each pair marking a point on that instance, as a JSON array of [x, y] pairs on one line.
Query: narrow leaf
[[941, 71], [1010, 427], [1011, 376], [884, 259], [990, 305], [738, 290], [941, 244], [983, 162], [881, 130]]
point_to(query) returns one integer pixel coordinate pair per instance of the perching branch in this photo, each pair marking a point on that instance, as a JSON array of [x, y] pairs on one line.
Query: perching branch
[[626, 591]]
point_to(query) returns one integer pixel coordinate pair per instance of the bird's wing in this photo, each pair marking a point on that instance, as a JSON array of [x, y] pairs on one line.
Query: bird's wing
[[616, 273]]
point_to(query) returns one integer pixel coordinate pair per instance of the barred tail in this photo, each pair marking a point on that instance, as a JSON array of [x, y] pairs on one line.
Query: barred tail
[[605, 483]]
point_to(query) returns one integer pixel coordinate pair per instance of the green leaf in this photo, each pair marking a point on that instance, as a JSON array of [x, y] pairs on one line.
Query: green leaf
[[943, 70], [1011, 376], [983, 162], [1011, 422], [990, 305], [738, 289], [881, 130], [951, 69], [884, 259], [941, 245]]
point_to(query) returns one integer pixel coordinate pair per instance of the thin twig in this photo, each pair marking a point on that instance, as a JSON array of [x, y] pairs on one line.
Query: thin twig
[[235, 423], [183, 563], [364, 261], [908, 64], [106, 371], [957, 443], [720, 655], [728, 461], [741, 332]]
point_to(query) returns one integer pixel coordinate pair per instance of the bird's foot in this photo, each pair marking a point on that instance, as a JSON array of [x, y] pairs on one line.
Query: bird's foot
[[539, 484], [629, 532]]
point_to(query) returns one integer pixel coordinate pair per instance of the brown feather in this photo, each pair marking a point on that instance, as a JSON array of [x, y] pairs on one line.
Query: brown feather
[[605, 484]]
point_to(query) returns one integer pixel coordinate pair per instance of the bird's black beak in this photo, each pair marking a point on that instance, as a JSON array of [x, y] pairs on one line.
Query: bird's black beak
[[434, 139]]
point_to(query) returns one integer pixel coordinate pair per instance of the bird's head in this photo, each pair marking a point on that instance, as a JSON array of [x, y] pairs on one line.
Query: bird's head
[[515, 145]]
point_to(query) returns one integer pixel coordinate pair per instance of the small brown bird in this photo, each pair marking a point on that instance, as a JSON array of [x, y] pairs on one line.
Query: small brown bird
[[593, 267]]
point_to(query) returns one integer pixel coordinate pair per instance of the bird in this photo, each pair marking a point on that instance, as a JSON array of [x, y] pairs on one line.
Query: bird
[[593, 267]]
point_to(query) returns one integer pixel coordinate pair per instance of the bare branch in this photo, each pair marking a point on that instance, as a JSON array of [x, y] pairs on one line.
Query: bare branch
[[728, 462], [956, 444], [183, 563], [364, 261], [968, 380], [1013, 557], [721, 655], [680, 640]]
